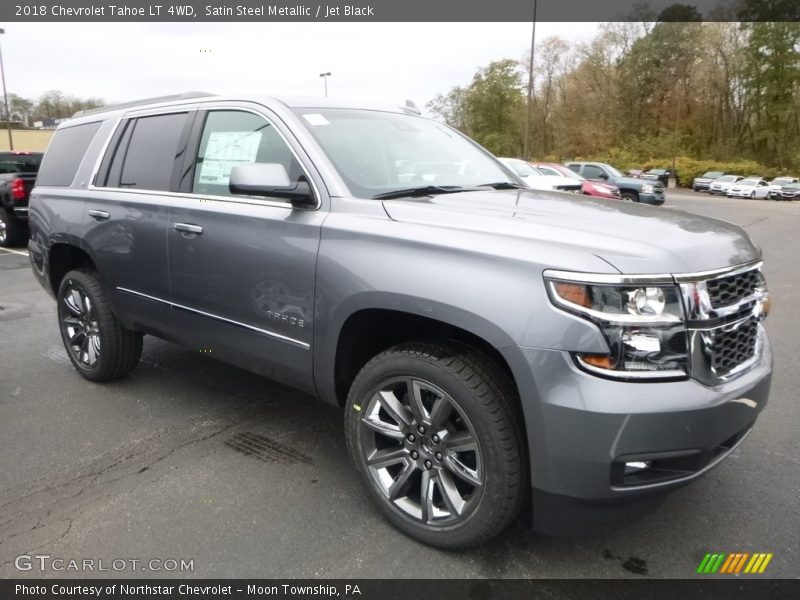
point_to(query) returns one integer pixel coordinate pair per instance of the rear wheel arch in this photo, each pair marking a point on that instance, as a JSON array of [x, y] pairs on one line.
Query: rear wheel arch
[[63, 258]]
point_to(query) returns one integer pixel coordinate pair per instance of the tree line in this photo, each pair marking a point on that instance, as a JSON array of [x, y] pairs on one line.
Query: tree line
[[645, 91], [53, 104]]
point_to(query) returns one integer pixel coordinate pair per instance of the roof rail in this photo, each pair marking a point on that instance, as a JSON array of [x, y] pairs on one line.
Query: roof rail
[[142, 102]]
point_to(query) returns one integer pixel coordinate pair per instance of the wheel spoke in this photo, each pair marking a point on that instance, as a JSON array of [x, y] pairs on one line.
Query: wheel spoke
[[73, 303], [83, 353], [392, 405], [415, 400], [461, 441], [381, 459], [90, 351], [458, 468], [450, 494], [76, 338], [442, 408], [426, 496], [401, 482], [87, 305], [388, 429]]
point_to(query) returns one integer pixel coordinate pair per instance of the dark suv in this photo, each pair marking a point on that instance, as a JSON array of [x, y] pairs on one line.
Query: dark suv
[[492, 346]]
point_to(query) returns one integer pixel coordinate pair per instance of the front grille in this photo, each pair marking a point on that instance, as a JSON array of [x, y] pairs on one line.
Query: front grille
[[726, 291], [732, 347]]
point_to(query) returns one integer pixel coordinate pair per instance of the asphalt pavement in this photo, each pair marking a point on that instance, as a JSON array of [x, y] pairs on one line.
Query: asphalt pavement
[[191, 460]]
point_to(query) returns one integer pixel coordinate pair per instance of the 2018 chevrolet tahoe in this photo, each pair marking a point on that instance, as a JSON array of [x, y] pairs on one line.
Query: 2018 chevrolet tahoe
[[493, 347]]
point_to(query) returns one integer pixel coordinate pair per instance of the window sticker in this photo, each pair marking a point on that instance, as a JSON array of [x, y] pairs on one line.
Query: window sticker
[[224, 150], [316, 119]]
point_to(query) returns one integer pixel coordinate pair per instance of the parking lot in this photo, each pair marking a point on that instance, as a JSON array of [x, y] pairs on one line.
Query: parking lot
[[188, 458]]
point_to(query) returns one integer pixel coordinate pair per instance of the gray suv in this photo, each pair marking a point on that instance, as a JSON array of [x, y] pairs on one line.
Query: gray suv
[[493, 347]]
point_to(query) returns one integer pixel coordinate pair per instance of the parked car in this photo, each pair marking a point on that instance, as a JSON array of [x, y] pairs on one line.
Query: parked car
[[702, 183], [17, 175], [631, 190], [790, 191], [662, 175], [777, 184], [490, 345], [537, 180], [721, 184], [749, 188], [588, 188]]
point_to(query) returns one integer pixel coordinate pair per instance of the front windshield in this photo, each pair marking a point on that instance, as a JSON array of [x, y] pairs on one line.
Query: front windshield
[[748, 182], [728, 178], [380, 152], [713, 174], [781, 181], [614, 171]]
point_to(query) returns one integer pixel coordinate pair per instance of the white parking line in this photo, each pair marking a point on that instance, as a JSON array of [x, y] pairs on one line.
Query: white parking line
[[10, 251]]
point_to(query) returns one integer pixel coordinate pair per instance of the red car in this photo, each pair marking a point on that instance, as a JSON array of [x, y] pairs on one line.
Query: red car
[[590, 188]]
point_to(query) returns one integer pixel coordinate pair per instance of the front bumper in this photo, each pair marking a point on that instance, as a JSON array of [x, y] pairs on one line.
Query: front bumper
[[654, 199], [582, 429]]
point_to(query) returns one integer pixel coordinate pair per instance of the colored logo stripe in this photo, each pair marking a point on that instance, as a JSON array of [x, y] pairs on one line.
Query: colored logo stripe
[[734, 562]]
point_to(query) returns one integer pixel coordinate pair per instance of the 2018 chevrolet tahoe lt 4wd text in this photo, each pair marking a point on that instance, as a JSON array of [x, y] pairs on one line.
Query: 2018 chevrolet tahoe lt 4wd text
[[493, 347]]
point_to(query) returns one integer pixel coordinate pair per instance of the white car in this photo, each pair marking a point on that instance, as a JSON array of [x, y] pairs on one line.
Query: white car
[[751, 187], [721, 184], [537, 180], [776, 185]]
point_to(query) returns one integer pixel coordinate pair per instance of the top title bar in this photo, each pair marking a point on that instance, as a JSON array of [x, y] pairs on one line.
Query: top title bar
[[397, 10]]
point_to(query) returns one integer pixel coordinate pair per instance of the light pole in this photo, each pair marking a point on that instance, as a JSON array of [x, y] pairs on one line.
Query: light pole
[[325, 79], [526, 148], [5, 97]]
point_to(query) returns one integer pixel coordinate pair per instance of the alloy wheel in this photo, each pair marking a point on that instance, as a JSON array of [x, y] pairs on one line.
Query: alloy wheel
[[80, 325], [421, 451]]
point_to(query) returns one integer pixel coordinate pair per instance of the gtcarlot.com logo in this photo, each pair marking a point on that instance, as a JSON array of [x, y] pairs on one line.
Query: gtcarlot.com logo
[[45, 562], [734, 563]]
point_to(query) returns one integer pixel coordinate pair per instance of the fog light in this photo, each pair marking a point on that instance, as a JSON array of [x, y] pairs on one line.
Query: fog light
[[636, 466]]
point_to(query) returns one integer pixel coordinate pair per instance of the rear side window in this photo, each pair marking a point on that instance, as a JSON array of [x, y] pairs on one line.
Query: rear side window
[[148, 160], [65, 153]]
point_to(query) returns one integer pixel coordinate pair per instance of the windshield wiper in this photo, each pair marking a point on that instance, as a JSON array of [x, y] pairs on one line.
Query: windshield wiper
[[426, 190], [503, 185]]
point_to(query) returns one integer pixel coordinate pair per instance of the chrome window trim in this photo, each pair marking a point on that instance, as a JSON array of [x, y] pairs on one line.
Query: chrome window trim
[[253, 200], [271, 334]]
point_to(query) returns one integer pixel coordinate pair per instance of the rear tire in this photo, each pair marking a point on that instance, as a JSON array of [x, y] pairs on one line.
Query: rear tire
[[12, 232], [100, 348], [435, 431]]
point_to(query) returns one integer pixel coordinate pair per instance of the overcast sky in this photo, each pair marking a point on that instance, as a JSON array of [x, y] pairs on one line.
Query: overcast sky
[[384, 62]]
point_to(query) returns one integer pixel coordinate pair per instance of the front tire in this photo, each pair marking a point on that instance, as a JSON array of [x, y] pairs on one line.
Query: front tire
[[100, 348], [629, 197], [435, 431]]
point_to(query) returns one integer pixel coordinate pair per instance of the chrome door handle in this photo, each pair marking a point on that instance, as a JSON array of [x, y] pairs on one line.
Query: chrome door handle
[[188, 228], [99, 215]]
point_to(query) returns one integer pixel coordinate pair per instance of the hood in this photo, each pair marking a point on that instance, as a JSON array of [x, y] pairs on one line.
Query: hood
[[634, 238]]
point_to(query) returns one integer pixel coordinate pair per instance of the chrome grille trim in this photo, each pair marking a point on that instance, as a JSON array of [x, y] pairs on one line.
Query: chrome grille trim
[[716, 352]]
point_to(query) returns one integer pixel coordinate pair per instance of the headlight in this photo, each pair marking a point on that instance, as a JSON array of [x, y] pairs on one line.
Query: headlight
[[647, 188], [642, 322]]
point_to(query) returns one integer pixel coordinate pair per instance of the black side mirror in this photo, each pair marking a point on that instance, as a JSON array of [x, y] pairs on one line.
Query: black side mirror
[[269, 180]]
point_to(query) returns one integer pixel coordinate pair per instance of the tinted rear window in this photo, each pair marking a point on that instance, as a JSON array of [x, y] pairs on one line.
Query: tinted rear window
[[14, 162], [65, 153], [150, 156]]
